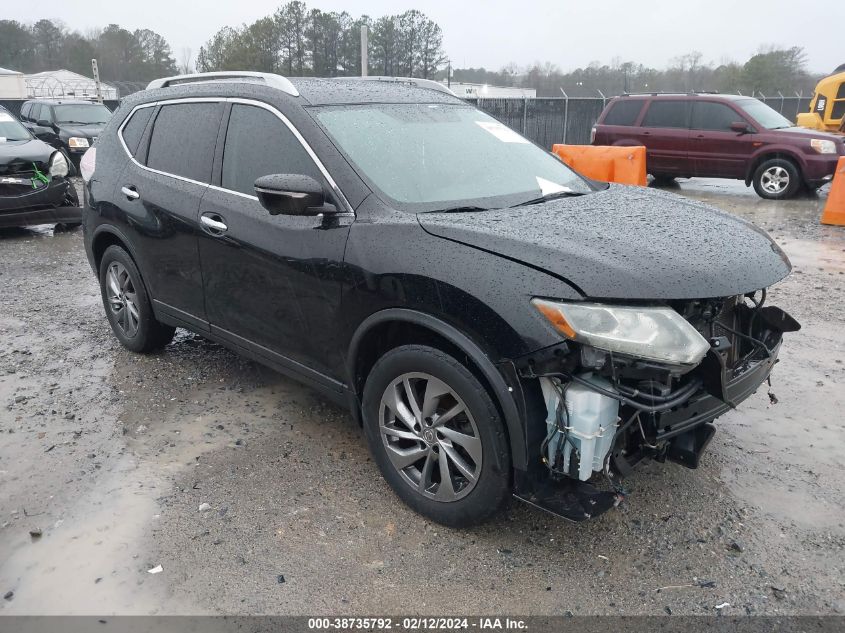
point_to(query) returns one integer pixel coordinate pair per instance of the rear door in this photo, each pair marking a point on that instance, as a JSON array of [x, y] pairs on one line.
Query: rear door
[[715, 149], [665, 133], [272, 282], [160, 195]]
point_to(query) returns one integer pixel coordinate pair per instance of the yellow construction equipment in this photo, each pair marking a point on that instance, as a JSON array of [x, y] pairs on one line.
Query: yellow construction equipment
[[827, 107]]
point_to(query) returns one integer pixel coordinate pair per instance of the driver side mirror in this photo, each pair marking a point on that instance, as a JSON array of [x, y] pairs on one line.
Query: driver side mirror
[[741, 127], [43, 123], [290, 194]]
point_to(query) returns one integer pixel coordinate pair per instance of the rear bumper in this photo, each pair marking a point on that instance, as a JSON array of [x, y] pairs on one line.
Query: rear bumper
[[53, 203]]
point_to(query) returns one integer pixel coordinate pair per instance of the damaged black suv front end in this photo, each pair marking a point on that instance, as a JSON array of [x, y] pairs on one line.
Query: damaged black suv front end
[[34, 184], [651, 392]]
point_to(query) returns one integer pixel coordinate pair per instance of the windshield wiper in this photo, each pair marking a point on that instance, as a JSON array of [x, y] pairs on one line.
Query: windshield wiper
[[460, 209], [549, 196]]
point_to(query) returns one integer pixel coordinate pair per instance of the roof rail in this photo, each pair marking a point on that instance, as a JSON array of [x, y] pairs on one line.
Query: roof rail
[[670, 94], [431, 84], [274, 81]]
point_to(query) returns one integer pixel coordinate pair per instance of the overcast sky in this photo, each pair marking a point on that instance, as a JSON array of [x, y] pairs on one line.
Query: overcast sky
[[495, 32]]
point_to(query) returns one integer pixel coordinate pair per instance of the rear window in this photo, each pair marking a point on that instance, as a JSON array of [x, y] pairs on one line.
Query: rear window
[[667, 114], [183, 140], [134, 128], [709, 115], [624, 112]]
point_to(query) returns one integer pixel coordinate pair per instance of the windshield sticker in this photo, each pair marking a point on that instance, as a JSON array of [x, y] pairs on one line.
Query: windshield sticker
[[2, 139], [5, 117], [501, 132], [547, 186]]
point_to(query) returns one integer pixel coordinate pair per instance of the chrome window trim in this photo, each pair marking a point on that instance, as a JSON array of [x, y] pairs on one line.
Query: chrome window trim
[[252, 102]]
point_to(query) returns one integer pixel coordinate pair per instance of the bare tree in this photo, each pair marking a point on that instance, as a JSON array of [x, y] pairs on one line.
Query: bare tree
[[186, 58]]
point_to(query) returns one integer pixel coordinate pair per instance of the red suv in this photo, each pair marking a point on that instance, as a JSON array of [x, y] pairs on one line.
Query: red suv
[[721, 136]]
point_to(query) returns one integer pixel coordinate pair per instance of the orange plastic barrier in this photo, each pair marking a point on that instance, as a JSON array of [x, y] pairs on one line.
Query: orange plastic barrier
[[834, 210], [625, 165]]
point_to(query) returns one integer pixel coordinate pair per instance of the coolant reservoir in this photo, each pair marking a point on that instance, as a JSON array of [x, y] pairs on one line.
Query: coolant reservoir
[[591, 423]]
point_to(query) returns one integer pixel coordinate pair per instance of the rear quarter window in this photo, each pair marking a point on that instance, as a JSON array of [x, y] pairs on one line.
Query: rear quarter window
[[672, 114], [623, 112], [134, 128], [183, 140]]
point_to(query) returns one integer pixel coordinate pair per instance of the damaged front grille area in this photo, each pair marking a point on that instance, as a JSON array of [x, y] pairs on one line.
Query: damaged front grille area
[[606, 411], [19, 178]]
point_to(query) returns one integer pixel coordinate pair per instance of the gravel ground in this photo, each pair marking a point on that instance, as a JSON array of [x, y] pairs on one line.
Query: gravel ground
[[111, 458]]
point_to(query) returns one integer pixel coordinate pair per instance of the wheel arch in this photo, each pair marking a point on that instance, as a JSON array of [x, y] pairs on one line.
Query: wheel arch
[[769, 154], [105, 236], [392, 327]]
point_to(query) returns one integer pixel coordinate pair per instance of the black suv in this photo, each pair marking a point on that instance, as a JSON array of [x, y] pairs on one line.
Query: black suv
[[496, 322], [69, 125]]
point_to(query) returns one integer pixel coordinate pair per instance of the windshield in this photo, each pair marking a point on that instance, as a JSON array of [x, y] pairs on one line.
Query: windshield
[[82, 113], [11, 130], [764, 115], [426, 157]]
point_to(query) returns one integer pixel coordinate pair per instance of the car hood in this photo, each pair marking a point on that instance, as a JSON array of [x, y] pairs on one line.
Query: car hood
[[29, 151], [802, 132], [74, 129], [626, 243]]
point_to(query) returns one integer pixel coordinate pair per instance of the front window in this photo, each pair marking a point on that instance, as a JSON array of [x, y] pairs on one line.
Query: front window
[[764, 115], [425, 157], [82, 114], [11, 130]]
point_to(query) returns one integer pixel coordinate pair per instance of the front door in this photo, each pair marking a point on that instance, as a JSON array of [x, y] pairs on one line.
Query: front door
[[715, 150], [272, 283]]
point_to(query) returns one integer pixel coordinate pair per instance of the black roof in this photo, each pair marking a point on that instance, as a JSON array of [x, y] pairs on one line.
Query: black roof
[[327, 91], [312, 91]]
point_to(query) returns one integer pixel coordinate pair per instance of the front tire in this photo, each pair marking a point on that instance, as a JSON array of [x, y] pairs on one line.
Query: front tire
[[777, 179], [127, 304], [436, 436]]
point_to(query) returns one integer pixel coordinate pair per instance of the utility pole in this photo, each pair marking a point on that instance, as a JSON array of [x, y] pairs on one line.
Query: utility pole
[[449, 75], [96, 71], [364, 50]]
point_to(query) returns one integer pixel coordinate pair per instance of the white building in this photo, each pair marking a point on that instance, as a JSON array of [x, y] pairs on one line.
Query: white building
[[483, 91], [55, 84], [12, 85]]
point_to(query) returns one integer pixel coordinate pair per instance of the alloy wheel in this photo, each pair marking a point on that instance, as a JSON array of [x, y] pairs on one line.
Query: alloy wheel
[[774, 180], [430, 437], [122, 298]]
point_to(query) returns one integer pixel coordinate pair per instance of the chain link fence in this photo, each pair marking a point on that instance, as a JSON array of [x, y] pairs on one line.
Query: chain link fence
[[545, 121]]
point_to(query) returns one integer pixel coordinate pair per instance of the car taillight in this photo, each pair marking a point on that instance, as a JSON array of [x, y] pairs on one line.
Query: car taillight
[[592, 136], [87, 164]]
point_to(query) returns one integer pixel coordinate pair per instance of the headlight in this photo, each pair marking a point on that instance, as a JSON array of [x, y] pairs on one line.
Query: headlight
[[77, 142], [58, 165], [659, 334], [823, 146]]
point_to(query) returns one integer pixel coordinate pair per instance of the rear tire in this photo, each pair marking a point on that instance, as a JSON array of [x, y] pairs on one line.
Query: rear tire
[[447, 430], [662, 179], [127, 304], [777, 179]]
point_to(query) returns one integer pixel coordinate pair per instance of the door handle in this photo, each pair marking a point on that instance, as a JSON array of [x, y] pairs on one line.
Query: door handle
[[130, 192], [213, 224]]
